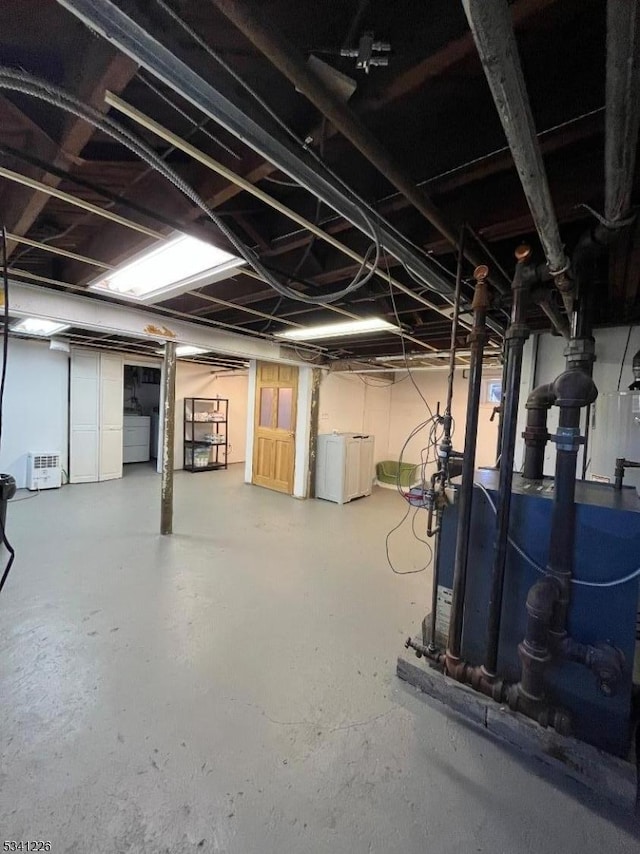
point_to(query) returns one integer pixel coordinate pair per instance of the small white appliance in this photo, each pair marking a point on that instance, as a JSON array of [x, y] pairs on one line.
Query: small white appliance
[[43, 471]]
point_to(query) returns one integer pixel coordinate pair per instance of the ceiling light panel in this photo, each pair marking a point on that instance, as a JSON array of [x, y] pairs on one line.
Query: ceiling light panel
[[37, 326], [339, 330], [178, 264]]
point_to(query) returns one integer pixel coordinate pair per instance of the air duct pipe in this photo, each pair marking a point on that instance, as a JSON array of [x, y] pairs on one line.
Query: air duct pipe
[[492, 29], [622, 116]]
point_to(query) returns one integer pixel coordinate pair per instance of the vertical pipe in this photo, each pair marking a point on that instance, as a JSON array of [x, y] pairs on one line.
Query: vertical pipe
[[563, 517], [454, 327], [434, 586], [445, 445], [168, 432], [517, 334], [500, 409], [477, 339]]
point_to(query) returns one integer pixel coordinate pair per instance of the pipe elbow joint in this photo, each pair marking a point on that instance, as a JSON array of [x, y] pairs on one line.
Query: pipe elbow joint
[[542, 597], [605, 661], [574, 389], [607, 664], [541, 397]]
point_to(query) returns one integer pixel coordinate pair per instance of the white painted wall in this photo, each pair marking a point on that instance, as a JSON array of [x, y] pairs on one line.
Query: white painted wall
[[351, 403], [194, 380], [35, 405], [390, 412]]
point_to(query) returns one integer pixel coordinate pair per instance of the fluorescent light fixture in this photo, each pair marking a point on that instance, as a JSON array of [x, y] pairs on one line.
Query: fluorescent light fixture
[[36, 326], [178, 264], [189, 350], [338, 330], [186, 350]]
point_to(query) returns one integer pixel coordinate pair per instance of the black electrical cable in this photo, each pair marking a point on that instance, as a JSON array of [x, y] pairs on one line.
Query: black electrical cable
[[3, 379], [396, 528], [216, 56], [29, 85], [404, 350], [197, 126], [624, 356]]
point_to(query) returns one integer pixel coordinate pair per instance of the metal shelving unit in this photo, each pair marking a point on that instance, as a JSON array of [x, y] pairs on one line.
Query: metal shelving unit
[[205, 433]]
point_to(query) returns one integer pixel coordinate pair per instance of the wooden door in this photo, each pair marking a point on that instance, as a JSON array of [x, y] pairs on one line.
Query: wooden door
[[275, 419]]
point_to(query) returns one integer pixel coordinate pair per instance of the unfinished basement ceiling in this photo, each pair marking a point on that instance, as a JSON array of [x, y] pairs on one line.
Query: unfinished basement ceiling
[[430, 107]]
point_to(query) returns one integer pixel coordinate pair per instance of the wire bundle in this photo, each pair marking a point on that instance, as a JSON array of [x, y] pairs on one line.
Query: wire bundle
[[28, 84]]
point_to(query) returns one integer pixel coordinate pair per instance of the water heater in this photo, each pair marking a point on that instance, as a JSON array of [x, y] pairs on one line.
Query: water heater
[[615, 432]]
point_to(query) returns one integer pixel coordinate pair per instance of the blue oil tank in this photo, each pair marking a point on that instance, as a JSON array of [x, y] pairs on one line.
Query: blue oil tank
[[607, 549]]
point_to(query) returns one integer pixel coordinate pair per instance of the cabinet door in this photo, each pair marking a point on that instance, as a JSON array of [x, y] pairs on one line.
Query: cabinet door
[[366, 465], [352, 469], [84, 417], [95, 417], [111, 408]]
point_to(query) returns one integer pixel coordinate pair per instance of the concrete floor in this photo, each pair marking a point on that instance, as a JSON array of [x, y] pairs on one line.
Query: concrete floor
[[232, 688]]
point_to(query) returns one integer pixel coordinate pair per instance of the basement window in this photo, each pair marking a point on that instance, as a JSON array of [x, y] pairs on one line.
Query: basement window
[[178, 264], [492, 392]]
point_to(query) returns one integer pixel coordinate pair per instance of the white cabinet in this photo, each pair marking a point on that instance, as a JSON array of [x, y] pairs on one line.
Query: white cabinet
[[137, 432], [344, 466]]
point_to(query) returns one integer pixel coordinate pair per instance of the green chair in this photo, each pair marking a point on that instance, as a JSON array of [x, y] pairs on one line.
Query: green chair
[[387, 473]]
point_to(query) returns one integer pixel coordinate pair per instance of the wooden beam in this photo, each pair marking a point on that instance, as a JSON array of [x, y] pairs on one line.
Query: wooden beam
[[103, 69]]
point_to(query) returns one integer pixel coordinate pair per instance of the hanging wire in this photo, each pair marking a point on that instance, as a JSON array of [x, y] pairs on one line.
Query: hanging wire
[[28, 84]]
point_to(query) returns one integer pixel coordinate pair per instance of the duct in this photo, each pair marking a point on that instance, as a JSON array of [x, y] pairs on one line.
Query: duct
[[492, 29], [622, 117], [106, 19], [465, 493]]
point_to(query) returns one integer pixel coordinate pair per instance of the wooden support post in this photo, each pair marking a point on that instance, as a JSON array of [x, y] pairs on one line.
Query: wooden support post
[[168, 431], [313, 432]]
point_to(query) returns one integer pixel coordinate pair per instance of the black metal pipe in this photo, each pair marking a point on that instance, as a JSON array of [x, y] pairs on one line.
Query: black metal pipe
[[477, 340], [535, 437], [444, 449], [499, 410], [562, 539], [535, 434], [516, 335], [534, 652], [434, 586], [621, 465]]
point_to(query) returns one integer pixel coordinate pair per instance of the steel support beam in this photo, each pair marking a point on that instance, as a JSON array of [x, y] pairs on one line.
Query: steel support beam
[[108, 317], [106, 19], [168, 434]]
